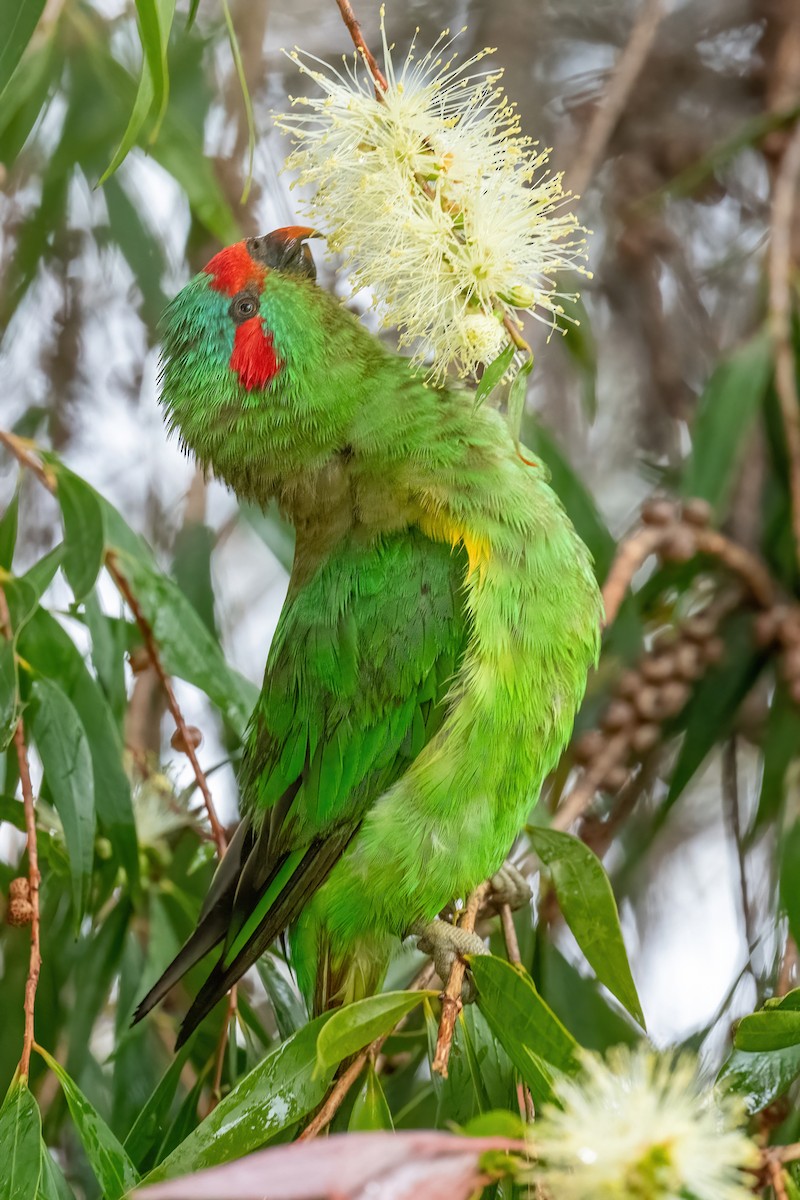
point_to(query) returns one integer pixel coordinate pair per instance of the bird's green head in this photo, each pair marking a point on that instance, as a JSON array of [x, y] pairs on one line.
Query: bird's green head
[[260, 367]]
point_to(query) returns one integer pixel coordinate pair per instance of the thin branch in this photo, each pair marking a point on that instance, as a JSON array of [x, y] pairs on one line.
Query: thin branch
[[612, 105], [730, 794], [333, 1101], [635, 550], [582, 795], [451, 996], [784, 204], [217, 831], [787, 968], [230, 1016], [510, 934], [354, 29], [23, 451], [34, 877]]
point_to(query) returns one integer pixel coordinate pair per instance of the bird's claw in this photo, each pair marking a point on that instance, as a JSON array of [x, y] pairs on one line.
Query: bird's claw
[[509, 886], [445, 943]]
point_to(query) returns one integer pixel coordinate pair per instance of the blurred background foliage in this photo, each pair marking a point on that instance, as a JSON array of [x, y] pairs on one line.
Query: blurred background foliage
[[125, 139]]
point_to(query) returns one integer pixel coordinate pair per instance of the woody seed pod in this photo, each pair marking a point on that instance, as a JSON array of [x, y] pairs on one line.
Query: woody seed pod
[[194, 735], [19, 888], [697, 512], [658, 511]]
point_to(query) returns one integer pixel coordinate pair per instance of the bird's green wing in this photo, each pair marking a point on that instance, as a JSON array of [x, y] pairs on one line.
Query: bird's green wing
[[356, 685]]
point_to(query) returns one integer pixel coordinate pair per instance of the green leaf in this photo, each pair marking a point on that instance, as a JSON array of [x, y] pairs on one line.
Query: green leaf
[[280, 1091], [180, 151], [248, 104], [155, 22], [493, 373], [288, 1008], [8, 532], [64, 750], [790, 877], [20, 1138], [579, 342], [370, 1110], [779, 748], [52, 1185], [525, 1026], [587, 902], [188, 649], [149, 1125], [51, 652], [115, 1172], [516, 399], [84, 531], [725, 416], [761, 1076], [9, 693], [356, 1025], [17, 23], [772, 1028], [191, 569]]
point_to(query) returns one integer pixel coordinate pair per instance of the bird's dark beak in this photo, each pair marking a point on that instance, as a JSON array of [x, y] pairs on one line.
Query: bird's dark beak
[[285, 250]]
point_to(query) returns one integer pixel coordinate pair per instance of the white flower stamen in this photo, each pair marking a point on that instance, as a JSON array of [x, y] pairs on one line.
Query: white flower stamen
[[436, 201], [641, 1127]]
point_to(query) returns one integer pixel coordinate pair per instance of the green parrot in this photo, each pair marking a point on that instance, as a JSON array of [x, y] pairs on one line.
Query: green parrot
[[441, 618]]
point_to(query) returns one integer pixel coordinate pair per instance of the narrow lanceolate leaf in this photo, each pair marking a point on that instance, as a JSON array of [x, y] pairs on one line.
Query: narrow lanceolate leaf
[[8, 533], [790, 878], [188, 649], [493, 374], [20, 1137], [726, 412], [17, 23], [370, 1108], [115, 1172], [279, 1092], [587, 902], [64, 750], [155, 22], [84, 531], [525, 1026], [9, 693], [356, 1025], [516, 399], [50, 651]]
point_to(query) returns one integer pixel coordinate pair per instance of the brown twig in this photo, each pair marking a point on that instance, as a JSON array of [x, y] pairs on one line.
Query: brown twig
[[612, 104], [787, 968], [333, 1101], [784, 204], [635, 550], [581, 796], [22, 449], [230, 1015], [774, 1169], [34, 878], [451, 996], [116, 574], [510, 934], [35, 960], [354, 29]]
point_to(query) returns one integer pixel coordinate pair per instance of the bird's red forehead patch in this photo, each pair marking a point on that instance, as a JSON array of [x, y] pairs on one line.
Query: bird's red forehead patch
[[233, 269]]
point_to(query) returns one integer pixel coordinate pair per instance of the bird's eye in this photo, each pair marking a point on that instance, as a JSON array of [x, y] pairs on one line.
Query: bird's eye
[[243, 307]]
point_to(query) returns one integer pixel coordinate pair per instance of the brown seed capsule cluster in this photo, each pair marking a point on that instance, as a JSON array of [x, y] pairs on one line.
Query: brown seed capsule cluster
[[193, 735], [20, 909], [139, 660], [779, 628], [679, 523], [647, 696]]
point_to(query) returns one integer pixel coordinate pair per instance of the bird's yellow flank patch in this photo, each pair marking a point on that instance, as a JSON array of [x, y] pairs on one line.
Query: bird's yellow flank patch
[[440, 527]]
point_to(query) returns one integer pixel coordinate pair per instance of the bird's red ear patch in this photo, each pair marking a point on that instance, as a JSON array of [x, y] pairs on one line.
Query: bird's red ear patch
[[254, 359]]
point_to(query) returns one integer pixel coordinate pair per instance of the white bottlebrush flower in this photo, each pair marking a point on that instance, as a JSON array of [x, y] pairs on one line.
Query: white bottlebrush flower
[[641, 1127], [435, 200]]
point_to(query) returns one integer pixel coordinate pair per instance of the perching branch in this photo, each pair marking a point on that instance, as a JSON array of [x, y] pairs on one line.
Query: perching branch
[[124, 587], [333, 1101], [354, 29], [451, 996], [784, 206], [23, 451], [35, 960], [612, 105]]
